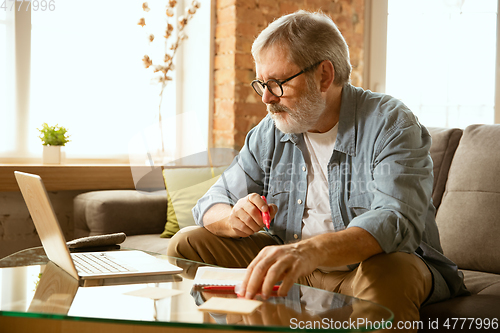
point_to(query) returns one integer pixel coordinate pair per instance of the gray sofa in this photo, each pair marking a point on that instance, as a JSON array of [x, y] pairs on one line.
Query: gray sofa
[[466, 194]]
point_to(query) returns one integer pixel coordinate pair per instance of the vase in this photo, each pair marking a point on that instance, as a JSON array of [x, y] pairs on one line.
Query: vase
[[52, 155]]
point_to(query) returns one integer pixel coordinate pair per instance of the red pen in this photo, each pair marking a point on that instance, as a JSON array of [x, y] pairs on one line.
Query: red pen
[[265, 216], [228, 288]]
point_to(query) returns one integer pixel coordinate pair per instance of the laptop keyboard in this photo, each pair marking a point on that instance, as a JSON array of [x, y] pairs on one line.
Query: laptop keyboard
[[91, 263]]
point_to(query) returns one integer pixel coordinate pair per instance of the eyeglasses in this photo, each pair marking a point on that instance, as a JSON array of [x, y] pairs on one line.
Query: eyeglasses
[[274, 86]]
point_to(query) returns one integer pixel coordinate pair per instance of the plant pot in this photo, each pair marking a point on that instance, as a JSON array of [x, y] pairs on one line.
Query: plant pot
[[52, 155]]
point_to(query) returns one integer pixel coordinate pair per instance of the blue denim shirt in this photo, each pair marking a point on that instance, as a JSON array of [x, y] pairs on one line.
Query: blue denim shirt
[[380, 179]]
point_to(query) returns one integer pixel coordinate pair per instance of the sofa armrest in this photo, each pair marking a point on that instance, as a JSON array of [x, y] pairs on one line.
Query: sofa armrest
[[128, 211]]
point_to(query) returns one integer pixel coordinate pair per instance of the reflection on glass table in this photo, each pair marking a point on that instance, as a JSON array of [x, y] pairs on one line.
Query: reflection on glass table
[[56, 295]]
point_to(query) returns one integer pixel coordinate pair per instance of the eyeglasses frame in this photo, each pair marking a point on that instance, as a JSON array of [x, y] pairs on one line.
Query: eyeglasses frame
[[280, 82]]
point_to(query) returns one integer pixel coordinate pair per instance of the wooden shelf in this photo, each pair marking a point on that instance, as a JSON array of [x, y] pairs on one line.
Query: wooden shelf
[[71, 176]]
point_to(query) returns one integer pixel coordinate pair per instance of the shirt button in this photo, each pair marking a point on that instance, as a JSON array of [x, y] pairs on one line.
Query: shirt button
[[303, 168], [299, 201], [295, 236]]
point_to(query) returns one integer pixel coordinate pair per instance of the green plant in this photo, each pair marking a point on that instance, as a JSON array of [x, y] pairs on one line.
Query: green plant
[[53, 135]]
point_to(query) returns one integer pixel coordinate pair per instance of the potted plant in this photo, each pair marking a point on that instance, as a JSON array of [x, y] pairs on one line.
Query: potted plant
[[53, 138]]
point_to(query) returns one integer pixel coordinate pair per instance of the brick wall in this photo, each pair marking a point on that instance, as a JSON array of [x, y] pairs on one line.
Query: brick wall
[[237, 107]]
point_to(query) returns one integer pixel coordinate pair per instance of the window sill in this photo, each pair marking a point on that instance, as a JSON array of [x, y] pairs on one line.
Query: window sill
[[66, 177]]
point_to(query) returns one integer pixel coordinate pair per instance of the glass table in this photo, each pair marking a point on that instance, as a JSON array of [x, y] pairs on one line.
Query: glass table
[[38, 295]]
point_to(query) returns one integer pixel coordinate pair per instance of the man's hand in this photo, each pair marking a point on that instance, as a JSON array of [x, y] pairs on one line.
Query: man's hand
[[278, 263], [243, 220], [246, 216], [292, 261]]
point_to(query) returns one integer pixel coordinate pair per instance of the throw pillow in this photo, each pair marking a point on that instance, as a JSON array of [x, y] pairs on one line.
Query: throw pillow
[[184, 187]]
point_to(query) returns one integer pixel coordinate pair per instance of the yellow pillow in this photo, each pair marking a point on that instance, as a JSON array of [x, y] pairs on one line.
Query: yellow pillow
[[184, 187]]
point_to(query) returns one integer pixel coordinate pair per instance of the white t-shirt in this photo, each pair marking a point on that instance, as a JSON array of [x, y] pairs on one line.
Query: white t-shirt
[[317, 218]]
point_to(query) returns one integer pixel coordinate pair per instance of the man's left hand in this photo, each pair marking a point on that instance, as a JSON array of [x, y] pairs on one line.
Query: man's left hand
[[278, 263]]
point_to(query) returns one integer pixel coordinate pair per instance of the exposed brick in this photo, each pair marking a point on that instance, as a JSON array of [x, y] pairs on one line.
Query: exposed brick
[[225, 30], [225, 45], [246, 4], [226, 15], [244, 76], [224, 107], [244, 60], [224, 61], [247, 30], [221, 4], [288, 7], [223, 76], [237, 107], [224, 91], [268, 4], [224, 139], [244, 93], [224, 123], [252, 15], [251, 109], [244, 44]]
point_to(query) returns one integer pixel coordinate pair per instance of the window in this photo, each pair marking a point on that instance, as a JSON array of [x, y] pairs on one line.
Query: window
[[86, 74], [441, 59]]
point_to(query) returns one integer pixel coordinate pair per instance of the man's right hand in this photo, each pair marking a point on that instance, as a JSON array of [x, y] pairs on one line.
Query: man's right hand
[[245, 218]]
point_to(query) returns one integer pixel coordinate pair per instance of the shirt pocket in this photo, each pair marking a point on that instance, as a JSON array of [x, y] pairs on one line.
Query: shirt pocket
[[360, 203]]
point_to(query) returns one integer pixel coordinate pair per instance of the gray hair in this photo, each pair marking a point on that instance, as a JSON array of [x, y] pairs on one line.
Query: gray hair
[[307, 38]]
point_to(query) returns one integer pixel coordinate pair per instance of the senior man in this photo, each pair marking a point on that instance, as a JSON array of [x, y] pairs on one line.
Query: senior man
[[348, 177]]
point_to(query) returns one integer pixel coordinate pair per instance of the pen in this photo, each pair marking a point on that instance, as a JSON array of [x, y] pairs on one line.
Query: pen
[[265, 215], [228, 288]]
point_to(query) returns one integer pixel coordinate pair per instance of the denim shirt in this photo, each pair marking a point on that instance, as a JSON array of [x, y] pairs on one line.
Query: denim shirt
[[379, 179]]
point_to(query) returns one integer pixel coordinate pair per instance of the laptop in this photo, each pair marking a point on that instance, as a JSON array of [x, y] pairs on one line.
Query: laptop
[[98, 268]]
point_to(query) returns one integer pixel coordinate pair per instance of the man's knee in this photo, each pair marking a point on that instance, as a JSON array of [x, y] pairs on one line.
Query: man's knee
[[185, 241], [396, 264], [398, 272]]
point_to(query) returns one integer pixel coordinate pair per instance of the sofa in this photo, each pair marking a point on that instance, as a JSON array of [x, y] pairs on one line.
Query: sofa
[[466, 194]]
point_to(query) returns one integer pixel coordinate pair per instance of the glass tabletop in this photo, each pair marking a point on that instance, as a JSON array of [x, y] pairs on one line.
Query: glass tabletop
[[34, 287]]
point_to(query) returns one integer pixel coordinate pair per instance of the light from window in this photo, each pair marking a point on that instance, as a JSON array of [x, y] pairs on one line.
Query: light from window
[[441, 59], [6, 118], [87, 75]]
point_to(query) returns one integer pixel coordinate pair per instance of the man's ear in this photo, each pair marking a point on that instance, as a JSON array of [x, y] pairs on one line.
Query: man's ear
[[327, 75]]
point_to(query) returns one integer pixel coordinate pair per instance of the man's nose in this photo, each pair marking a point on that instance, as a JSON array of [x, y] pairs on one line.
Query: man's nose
[[268, 98]]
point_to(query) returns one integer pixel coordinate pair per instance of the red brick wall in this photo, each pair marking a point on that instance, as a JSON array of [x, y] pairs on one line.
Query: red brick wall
[[237, 107]]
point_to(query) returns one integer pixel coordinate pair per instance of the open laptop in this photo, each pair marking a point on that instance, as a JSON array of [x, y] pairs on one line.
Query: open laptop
[[116, 267]]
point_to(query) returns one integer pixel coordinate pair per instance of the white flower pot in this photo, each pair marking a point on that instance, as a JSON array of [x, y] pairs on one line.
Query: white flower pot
[[52, 155]]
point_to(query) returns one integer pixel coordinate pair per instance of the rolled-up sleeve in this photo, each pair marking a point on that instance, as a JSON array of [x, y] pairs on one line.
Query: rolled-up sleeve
[[402, 178]]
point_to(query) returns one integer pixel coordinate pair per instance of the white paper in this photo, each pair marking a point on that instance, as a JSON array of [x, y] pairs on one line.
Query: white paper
[[218, 276]]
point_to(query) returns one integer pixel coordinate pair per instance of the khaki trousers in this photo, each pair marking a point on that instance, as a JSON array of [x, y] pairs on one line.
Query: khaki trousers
[[399, 281]]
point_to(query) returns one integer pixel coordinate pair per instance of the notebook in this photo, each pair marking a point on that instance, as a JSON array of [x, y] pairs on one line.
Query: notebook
[[115, 267]]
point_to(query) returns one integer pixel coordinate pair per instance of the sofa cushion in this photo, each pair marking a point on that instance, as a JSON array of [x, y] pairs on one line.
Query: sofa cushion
[[482, 283], [444, 144], [435, 317], [151, 243], [468, 217], [184, 187], [128, 211]]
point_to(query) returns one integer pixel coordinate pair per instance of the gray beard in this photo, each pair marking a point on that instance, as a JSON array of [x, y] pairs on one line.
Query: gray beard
[[303, 117]]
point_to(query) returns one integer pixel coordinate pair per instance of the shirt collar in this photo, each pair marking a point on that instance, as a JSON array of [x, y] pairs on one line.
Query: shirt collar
[[346, 136]]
